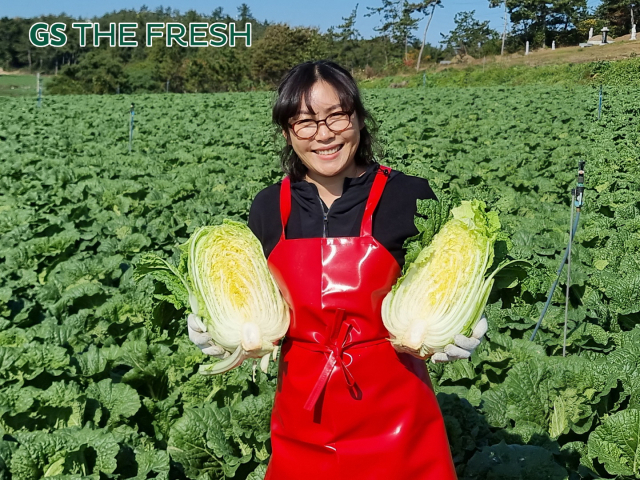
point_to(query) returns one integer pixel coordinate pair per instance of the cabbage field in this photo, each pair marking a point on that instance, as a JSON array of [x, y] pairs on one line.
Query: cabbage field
[[99, 380]]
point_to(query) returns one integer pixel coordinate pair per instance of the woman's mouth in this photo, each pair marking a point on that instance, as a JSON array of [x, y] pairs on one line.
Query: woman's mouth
[[326, 152]]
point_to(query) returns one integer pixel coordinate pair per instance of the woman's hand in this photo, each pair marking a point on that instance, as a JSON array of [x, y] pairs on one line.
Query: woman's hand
[[462, 347], [198, 335]]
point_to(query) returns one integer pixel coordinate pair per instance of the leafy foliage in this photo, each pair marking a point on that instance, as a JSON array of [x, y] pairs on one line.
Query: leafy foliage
[[98, 377], [471, 37]]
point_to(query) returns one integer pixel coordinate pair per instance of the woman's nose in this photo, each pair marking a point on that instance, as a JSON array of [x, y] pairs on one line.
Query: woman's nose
[[323, 131]]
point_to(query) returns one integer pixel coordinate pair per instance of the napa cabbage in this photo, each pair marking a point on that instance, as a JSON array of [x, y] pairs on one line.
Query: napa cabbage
[[444, 290], [224, 279]]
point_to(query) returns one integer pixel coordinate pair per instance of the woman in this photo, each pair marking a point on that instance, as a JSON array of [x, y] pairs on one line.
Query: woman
[[348, 406]]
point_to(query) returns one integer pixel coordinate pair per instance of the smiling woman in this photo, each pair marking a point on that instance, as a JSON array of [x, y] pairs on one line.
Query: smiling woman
[[348, 406], [312, 91], [326, 147]]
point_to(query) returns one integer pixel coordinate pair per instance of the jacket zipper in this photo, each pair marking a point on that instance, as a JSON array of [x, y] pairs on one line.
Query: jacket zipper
[[324, 217]]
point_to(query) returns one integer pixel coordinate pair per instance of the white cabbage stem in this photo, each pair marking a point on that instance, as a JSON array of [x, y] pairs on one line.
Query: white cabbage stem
[[251, 337]]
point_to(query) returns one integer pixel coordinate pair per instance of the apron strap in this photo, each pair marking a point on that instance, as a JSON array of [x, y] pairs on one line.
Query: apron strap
[[372, 202], [285, 202]]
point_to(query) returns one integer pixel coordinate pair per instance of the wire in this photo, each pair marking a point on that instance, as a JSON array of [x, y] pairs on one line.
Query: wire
[[555, 284], [566, 300]]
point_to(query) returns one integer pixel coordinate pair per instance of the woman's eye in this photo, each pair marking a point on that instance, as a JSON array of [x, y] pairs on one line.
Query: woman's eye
[[305, 124]]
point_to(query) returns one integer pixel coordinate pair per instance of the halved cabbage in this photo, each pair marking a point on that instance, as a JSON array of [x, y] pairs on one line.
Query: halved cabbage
[[444, 291], [224, 279], [235, 294]]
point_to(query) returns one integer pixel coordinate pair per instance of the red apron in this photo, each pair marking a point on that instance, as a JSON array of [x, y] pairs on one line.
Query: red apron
[[348, 406]]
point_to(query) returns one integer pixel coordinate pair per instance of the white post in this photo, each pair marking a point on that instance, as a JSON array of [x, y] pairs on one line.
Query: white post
[[39, 92], [526, 52], [633, 32], [553, 45], [590, 33]]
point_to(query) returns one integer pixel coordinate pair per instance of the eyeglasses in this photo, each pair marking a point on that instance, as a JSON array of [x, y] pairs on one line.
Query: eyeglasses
[[306, 129]]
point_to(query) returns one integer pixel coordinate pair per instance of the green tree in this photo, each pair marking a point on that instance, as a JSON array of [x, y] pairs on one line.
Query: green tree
[[99, 71], [426, 8], [169, 63], [216, 70], [281, 47], [388, 17], [11, 32], [396, 25], [406, 25], [244, 14], [345, 40], [619, 14], [566, 14], [218, 14], [537, 21], [471, 36]]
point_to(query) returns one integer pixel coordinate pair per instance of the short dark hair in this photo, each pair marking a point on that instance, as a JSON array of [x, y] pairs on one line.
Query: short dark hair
[[296, 85]]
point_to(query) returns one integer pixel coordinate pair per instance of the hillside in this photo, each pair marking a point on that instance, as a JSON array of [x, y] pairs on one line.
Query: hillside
[[619, 50], [615, 64], [612, 64]]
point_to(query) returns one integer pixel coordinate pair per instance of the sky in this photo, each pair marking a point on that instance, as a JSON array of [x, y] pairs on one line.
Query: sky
[[318, 13]]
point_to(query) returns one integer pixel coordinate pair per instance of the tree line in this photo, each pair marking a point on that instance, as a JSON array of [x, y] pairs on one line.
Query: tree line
[[399, 44]]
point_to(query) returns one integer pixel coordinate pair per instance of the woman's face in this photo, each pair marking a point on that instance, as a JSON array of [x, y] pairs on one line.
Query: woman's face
[[328, 153]]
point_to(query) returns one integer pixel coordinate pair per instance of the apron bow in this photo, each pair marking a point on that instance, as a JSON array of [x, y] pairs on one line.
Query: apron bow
[[334, 350]]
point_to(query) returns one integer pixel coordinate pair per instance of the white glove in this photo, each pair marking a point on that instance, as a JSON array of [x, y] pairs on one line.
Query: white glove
[[198, 335], [463, 346]]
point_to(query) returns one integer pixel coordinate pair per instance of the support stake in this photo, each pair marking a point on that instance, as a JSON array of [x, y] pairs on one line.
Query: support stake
[[132, 112]]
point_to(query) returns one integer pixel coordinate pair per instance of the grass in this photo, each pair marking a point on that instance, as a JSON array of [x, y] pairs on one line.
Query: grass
[[19, 85], [614, 64]]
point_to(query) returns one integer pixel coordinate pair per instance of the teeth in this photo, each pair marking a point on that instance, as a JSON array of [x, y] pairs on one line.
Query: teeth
[[328, 152]]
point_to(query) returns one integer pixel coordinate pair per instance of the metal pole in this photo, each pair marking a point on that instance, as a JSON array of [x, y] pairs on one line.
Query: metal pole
[[600, 104], [39, 88], [504, 31], [555, 283], [132, 112]]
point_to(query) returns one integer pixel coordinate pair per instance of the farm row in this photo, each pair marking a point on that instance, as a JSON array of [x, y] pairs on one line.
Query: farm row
[[97, 374]]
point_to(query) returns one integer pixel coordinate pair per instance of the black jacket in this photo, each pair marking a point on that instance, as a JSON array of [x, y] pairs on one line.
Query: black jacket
[[392, 220]]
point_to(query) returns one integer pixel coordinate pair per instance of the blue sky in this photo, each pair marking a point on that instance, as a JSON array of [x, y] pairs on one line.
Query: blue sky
[[319, 13]]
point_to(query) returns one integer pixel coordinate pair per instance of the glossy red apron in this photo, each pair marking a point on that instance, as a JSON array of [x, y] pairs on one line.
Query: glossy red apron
[[348, 406]]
